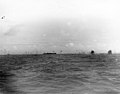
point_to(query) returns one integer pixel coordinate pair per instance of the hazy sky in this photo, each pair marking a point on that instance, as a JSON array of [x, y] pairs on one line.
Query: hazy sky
[[68, 25]]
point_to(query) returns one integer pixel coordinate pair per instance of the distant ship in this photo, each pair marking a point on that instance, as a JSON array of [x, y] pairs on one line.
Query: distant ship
[[49, 53]]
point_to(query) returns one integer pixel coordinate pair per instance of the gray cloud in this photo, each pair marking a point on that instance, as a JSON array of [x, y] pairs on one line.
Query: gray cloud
[[14, 30], [57, 34]]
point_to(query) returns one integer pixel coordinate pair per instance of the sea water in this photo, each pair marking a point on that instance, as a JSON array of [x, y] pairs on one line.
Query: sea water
[[60, 74]]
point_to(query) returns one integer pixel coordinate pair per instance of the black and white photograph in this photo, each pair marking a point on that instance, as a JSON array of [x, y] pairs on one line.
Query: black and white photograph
[[59, 46]]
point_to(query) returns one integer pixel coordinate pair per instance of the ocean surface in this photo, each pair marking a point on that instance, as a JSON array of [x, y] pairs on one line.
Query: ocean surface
[[60, 74]]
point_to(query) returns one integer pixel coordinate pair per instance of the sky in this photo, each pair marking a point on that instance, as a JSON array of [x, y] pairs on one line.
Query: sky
[[38, 26]]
